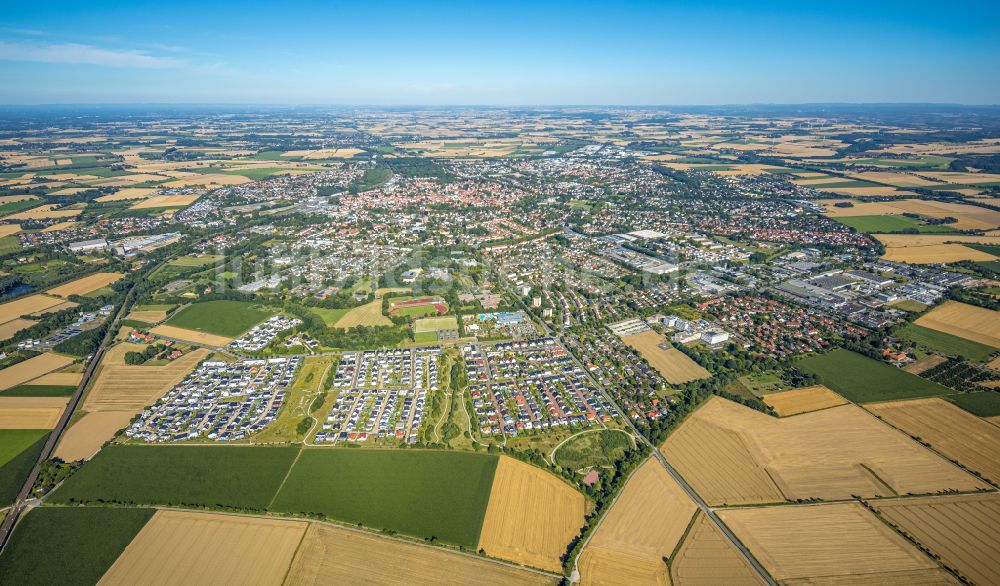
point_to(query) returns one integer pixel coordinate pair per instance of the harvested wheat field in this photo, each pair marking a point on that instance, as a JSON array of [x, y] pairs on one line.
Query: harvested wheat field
[[965, 321], [813, 543], [8, 329], [369, 314], [331, 555], [8, 229], [26, 305], [32, 368], [59, 379], [531, 516], [805, 400], [924, 364], [934, 253], [31, 412], [123, 388], [165, 201], [128, 193], [190, 548], [672, 364], [86, 284], [60, 226], [707, 558], [949, 429], [150, 317], [645, 524], [208, 180], [192, 336], [964, 530], [732, 454], [86, 437], [45, 212]]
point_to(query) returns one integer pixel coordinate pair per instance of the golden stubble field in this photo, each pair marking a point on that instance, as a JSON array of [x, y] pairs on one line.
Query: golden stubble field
[[164, 201], [643, 526], [85, 437], [964, 530], [672, 364], [192, 336], [120, 387], [27, 305], [805, 400], [965, 321], [86, 284], [531, 516], [807, 543], [369, 314], [32, 368], [189, 548], [934, 248], [331, 555], [707, 558], [949, 429], [31, 412], [732, 454]]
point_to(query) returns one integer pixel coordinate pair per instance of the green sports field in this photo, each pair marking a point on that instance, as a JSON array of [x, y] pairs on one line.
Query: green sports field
[[204, 476], [946, 344], [864, 380], [68, 546], [421, 493], [223, 318]]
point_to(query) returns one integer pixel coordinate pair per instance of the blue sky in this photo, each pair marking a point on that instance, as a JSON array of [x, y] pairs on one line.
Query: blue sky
[[499, 53]]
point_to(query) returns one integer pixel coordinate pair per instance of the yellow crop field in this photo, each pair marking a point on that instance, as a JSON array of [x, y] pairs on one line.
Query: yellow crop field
[[707, 558], [124, 388], [190, 336], [25, 306], [964, 530], [672, 364], [949, 429], [128, 193], [935, 253], [643, 526], [968, 217], [895, 178], [732, 454], [45, 212], [9, 229], [963, 178], [965, 321], [59, 378], [335, 555], [805, 400], [85, 437], [813, 542], [190, 548], [165, 201], [208, 180], [369, 314], [924, 364], [151, 316], [31, 412], [32, 368], [86, 284], [60, 226], [14, 326], [531, 516]]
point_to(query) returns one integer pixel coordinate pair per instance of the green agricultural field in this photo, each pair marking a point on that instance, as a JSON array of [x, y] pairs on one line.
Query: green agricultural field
[[18, 206], [983, 404], [57, 545], [223, 318], [844, 184], [329, 316], [19, 450], [987, 248], [425, 337], [196, 261], [890, 224], [864, 380], [204, 476], [920, 162], [946, 344], [600, 448], [434, 324], [9, 244], [40, 391], [419, 493], [258, 174]]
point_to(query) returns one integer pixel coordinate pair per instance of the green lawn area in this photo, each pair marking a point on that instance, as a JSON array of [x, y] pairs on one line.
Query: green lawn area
[[983, 404], [419, 493], [39, 391], [19, 450], [889, 224], [424, 337], [68, 546], [588, 449], [864, 380], [224, 476], [224, 318], [195, 261], [330, 316], [9, 244], [946, 344]]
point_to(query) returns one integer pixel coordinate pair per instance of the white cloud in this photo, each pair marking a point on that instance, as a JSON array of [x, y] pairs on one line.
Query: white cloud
[[76, 53]]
